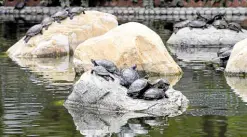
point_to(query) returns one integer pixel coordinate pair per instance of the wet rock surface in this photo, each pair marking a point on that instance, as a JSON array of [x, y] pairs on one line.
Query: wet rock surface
[[92, 91], [125, 45], [206, 37]]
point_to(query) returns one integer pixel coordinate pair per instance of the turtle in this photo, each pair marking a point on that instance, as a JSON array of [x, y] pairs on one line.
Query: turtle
[[209, 19], [161, 84], [180, 25], [34, 30], [224, 55], [101, 71], [60, 15], [154, 94], [235, 27], [138, 87], [107, 64], [220, 24], [197, 24], [75, 11], [46, 22], [128, 76]]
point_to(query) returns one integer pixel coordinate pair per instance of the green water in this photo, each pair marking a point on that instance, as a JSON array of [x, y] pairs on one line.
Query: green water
[[31, 101]]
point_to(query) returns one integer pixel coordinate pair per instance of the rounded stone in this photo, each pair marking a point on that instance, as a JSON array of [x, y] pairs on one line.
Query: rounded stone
[[163, 12]]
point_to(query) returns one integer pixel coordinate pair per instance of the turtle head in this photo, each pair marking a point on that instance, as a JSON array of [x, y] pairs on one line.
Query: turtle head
[[134, 67], [94, 62]]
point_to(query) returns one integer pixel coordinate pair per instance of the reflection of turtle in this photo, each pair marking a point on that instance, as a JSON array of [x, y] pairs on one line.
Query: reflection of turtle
[[60, 15], [137, 88], [101, 71], [128, 76], [47, 22], [180, 25], [34, 30], [161, 84], [108, 65], [220, 24], [235, 27], [197, 24], [154, 94], [75, 11]]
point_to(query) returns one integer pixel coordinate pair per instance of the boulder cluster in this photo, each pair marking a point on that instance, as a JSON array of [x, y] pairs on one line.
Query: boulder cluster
[[139, 88]]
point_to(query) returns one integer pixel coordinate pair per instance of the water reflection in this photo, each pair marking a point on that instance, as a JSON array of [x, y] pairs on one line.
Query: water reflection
[[239, 86]]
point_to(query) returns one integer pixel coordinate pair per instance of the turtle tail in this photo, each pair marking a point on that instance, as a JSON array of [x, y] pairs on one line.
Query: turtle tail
[[27, 38]]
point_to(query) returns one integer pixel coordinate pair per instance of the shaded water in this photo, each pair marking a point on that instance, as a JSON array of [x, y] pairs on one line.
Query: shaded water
[[31, 99]]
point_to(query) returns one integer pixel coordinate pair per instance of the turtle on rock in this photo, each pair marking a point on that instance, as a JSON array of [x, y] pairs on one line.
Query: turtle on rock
[[220, 24], [128, 76], [101, 71], [154, 94], [107, 64], [138, 88], [60, 15], [197, 24], [161, 84], [34, 30], [46, 22], [75, 11], [180, 25], [235, 27]]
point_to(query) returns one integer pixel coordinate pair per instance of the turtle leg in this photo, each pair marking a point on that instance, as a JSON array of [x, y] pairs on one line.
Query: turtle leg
[[27, 38], [59, 21], [71, 16], [190, 28], [46, 27], [83, 11], [106, 78], [41, 32]]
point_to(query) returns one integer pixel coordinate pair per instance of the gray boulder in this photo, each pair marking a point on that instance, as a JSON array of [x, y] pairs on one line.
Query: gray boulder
[[92, 91], [205, 37]]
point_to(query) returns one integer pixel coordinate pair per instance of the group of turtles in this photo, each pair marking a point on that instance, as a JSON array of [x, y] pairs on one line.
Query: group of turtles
[[218, 21], [47, 21], [138, 88]]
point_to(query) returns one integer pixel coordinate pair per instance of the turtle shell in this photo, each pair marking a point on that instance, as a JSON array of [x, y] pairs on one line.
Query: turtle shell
[[226, 54], [234, 26], [99, 70], [129, 75], [154, 94], [197, 24], [222, 50], [76, 10], [181, 24], [107, 64], [137, 88], [47, 21], [61, 14], [161, 84], [34, 30]]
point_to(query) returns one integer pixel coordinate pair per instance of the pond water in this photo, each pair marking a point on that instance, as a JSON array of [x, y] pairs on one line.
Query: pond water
[[31, 100]]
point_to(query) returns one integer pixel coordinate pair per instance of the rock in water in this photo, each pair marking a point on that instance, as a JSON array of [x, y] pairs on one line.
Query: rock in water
[[209, 36], [92, 91], [67, 35], [125, 45]]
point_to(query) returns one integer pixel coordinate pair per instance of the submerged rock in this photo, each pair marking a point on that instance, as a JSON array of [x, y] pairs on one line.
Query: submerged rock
[[125, 45], [59, 39], [92, 91], [237, 65], [203, 37]]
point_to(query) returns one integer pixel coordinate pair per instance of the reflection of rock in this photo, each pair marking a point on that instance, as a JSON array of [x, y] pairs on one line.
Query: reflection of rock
[[239, 86], [194, 53], [93, 122], [95, 92], [128, 44], [209, 36], [237, 62], [59, 38], [51, 69]]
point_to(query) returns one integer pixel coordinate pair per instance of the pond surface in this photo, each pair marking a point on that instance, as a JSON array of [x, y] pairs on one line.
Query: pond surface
[[31, 100]]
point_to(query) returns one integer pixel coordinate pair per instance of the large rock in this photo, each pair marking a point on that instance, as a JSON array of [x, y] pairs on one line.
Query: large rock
[[60, 38], [237, 64], [206, 37], [239, 86], [92, 91], [125, 45]]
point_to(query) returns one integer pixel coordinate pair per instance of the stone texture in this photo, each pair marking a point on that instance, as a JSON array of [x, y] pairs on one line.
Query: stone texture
[[128, 44], [237, 64], [209, 36], [92, 91], [239, 86], [59, 38]]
